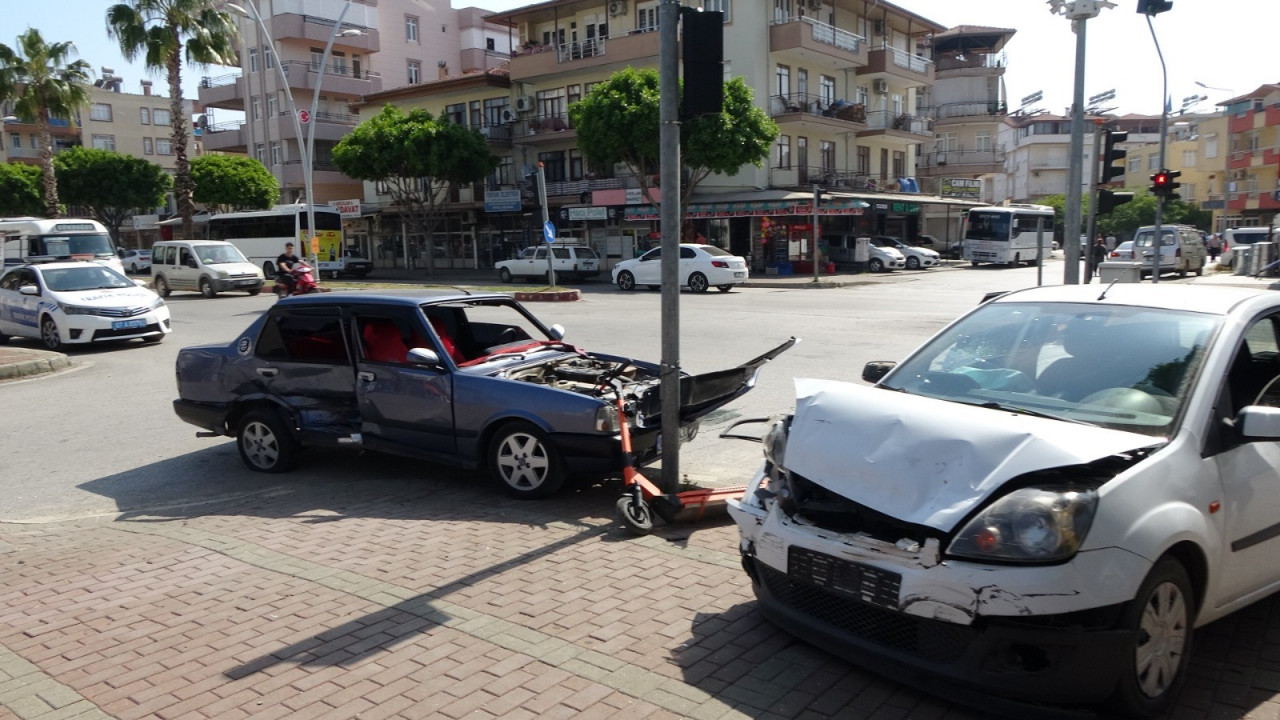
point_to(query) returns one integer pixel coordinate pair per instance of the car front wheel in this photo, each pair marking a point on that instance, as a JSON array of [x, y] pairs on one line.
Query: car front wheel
[[876, 265], [1160, 619], [206, 288], [504, 275], [913, 263], [162, 287], [626, 281], [698, 283], [49, 334], [522, 459], [265, 443]]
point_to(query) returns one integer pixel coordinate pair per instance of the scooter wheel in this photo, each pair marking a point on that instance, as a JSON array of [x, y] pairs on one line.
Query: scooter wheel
[[634, 515]]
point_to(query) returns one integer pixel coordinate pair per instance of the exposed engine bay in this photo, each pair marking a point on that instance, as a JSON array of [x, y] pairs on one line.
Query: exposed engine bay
[[590, 375]]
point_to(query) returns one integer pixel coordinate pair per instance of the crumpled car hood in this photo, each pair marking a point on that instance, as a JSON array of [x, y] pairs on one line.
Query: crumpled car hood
[[928, 461]]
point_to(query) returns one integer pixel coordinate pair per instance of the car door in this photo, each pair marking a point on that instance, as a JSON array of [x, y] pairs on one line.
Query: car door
[[691, 261], [12, 315], [405, 408], [648, 269], [183, 275], [305, 363], [1247, 471]]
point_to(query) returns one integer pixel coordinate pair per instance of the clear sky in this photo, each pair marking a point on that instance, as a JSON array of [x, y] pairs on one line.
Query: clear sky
[[1228, 44]]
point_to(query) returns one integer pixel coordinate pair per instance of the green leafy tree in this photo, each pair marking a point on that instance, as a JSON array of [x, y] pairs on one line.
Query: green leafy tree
[[419, 158], [110, 185], [233, 183], [20, 189], [618, 122], [1141, 210], [161, 32], [45, 84]]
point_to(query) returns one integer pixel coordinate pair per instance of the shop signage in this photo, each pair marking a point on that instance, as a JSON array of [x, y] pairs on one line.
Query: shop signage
[[635, 196], [966, 188], [346, 208], [588, 213], [905, 208], [502, 201]]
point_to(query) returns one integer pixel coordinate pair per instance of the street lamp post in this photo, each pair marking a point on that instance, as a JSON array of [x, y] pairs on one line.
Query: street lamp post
[[305, 145]]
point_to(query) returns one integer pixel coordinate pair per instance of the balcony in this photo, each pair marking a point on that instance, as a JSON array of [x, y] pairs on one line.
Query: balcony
[[885, 122], [961, 111], [337, 79], [1241, 159], [328, 126], [318, 30], [971, 64], [540, 129], [226, 92], [323, 173], [807, 40], [805, 112], [963, 162], [913, 69], [496, 134], [33, 154], [227, 137], [639, 47]]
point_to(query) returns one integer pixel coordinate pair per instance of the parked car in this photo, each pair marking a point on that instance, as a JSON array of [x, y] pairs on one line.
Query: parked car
[[701, 267], [467, 380], [1042, 502], [206, 266], [882, 254], [1181, 248], [77, 303], [1233, 238], [577, 262], [1123, 251], [135, 261], [915, 257]]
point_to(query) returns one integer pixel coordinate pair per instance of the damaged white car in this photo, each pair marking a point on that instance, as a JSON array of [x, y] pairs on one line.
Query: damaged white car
[[1041, 503]]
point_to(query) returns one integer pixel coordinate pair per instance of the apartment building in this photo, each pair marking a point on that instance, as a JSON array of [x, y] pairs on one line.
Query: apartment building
[[22, 139], [136, 124], [380, 45], [1252, 189]]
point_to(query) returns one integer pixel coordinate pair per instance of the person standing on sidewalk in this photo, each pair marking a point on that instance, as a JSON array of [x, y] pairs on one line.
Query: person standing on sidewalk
[[1097, 254]]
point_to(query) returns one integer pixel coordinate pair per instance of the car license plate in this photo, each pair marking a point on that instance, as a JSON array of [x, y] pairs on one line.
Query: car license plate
[[246, 282], [739, 274], [127, 324]]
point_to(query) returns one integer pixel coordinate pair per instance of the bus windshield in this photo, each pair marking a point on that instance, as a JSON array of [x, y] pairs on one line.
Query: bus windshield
[[988, 226], [65, 246]]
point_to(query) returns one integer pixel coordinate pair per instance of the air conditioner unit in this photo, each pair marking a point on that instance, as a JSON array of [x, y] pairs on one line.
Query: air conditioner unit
[[524, 103], [617, 7], [881, 86], [942, 159], [508, 115]]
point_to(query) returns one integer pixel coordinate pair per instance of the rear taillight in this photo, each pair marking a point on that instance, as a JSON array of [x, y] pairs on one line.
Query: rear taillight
[[719, 264]]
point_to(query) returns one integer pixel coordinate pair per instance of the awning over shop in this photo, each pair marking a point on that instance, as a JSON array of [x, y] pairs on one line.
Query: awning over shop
[[833, 204]]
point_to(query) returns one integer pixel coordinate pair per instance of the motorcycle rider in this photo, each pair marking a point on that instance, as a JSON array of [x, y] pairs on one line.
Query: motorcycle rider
[[285, 263]]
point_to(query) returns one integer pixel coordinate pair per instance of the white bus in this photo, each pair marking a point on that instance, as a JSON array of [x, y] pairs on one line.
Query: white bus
[[261, 236], [32, 240], [1007, 234]]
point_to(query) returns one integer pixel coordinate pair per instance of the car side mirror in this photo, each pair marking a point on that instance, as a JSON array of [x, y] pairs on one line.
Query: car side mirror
[[1259, 422], [423, 356], [873, 371], [557, 331], [29, 290]]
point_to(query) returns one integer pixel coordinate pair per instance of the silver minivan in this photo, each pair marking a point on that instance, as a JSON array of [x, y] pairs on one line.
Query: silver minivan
[[1181, 249], [206, 266]]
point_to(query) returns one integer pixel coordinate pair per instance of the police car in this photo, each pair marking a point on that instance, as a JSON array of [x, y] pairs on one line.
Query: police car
[[78, 303]]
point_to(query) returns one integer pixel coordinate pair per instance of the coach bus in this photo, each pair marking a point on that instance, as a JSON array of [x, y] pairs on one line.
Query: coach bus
[[262, 234], [1006, 235], [33, 240]]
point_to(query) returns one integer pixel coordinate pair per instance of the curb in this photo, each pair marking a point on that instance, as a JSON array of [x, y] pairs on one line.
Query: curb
[[27, 363], [544, 296]]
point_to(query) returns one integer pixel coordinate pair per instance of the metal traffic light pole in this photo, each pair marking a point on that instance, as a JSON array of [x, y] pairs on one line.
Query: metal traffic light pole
[[1157, 235], [1093, 198]]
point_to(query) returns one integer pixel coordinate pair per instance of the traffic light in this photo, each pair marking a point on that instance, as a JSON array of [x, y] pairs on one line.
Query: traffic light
[[1154, 7], [1112, 154], [1164, 184], [702, 52], [1108, 200]]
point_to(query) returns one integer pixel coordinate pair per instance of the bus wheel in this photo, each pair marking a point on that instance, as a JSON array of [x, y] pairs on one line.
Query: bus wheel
[[973, 263]]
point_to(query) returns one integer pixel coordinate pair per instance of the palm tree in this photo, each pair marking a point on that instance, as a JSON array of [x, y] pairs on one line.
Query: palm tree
[[45, 85], [159, 30]]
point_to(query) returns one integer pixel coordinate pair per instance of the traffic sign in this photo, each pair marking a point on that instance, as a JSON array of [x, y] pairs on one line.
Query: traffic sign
[[549, 231], [304, 116]]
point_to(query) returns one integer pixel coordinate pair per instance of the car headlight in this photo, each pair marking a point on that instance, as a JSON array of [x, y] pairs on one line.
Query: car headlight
[[775, 443], [222, 274], [158, 302], [607, 419], [78, 310], [1029, 525]]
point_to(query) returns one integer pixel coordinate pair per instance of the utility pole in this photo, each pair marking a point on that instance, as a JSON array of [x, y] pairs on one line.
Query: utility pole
[[1157, 232], [669, 226], [1093, 199]]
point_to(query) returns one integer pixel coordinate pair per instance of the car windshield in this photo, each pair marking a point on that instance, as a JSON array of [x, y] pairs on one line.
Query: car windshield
[[884, 242], [1126, 368], [1143, 238], [219, 254], [90, 277]]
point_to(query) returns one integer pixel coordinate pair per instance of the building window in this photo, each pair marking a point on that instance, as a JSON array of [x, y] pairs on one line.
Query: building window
[[271, 105], [15, 141], [1188, 158], [493, 108], [783, 74], [260, 152], [410, 29], [717, 6], [164, 146], [456, 113], [1153, 161], [860, 95], [575, 164], [982, 141], [277, 156], [268, 61], [551, 103], [504, 172], [899, 163], [104, 142], [415, 72], [553, 166], [864, 160], [947, 142], [784, 152], [490, 45], [573, 94], [897, 104], [1211, 145], [473, 114], [1135, 163], [148, 148], [160, 117], [145, 115], [253, 59], [827, 90], [255, 108], [100, 111], [827, 155], [647, 18]]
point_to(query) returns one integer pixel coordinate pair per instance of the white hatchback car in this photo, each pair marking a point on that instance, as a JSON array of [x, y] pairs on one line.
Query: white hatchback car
[[915, 257], [70, 303], [701, 267], [1042, 502]]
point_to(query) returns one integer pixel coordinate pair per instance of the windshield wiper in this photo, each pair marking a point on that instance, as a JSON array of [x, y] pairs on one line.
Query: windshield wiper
[[991, 405]]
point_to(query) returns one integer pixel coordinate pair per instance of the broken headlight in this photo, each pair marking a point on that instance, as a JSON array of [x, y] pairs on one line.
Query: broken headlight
[[1029, 525], [775, 443]]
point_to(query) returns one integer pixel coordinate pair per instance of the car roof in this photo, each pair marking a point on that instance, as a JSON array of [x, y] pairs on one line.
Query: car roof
[[64, 265], [1217, 300], [401, 299]]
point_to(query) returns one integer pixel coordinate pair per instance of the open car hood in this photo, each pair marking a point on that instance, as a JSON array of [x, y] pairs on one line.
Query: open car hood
[[701, 394], [928, 461]]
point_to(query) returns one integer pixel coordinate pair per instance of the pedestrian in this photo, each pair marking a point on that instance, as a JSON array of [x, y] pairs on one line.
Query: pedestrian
[[1097, 254], [1111, 243], [1214, 246]]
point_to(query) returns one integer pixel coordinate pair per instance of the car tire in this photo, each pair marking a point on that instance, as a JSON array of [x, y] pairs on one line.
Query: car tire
[[255, 291], [724, 288], [4, 339], [973, 263], [876, 265], [264, 442], [49, 336], [1182, 271], [1161, 618], [626, 281], [1200, 269], [504, 275], [698, 283], [162, 287], [913, 263], [1017, 260], [133, 268], [523, 461], [206, 288]]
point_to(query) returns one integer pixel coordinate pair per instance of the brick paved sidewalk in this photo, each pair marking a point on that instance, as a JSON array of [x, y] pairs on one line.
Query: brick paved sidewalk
[[442, 599]]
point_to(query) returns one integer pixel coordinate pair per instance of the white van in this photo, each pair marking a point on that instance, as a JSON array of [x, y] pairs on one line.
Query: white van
[[209, 266], [34, 240]]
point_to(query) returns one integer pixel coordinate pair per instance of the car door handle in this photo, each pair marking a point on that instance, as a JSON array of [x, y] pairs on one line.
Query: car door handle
[[268, 372], [366, 376]]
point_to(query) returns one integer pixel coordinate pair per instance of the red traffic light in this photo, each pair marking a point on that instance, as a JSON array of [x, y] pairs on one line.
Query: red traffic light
[[1160, 180]]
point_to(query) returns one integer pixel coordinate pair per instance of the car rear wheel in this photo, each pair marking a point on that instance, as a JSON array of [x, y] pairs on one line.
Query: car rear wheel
[[876, 265], [698, 283], [265, 443], [255, 291], [206, 288], [162, 286], [913, 263], [133, 268], [504, 275], [522, 459], [626, 281], [1160, 618], [49, 334]]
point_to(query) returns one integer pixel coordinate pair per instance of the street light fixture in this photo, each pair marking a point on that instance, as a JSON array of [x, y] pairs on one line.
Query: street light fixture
[[305, 145]]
